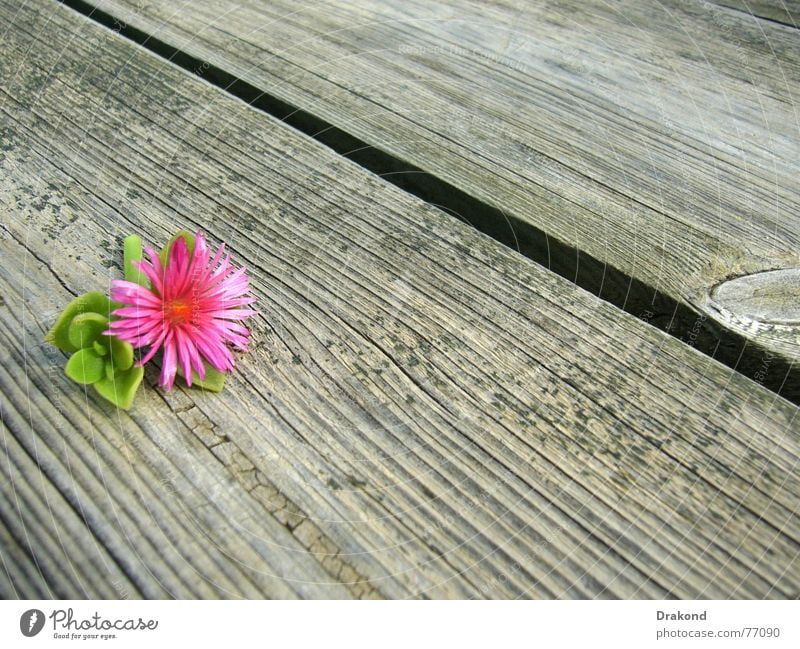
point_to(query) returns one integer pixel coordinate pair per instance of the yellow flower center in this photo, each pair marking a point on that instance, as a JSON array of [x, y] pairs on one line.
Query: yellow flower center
[[178, 311]]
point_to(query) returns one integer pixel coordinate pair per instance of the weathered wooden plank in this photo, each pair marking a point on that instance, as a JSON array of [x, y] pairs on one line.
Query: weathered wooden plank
[[19, 578], [48, 538], [659, 138], [170, 547], [425, 413]]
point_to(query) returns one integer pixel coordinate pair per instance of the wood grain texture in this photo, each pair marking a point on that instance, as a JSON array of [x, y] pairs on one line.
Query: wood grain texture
[[658, 137], [782, 11], [424, 413]]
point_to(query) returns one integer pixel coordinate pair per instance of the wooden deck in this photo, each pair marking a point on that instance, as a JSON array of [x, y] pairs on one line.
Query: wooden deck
[[498, 250], [645, 150]]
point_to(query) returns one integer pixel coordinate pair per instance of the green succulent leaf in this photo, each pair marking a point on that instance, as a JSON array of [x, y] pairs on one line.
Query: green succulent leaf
[[86, 328], [92, 302], [100, 347], [85, 366], [121, 353], [214, 381], [132, 251], [187, 236], [121, 388]]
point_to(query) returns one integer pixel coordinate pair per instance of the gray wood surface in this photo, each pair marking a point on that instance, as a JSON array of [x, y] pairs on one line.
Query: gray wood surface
[[657, 137], [424, 413]]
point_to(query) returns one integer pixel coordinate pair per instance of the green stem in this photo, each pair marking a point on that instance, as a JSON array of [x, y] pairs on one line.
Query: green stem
[[133, 252]]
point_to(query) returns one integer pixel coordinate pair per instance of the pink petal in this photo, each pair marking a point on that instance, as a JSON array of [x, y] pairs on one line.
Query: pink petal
[[154, 347], [183, 343], [169, 364]]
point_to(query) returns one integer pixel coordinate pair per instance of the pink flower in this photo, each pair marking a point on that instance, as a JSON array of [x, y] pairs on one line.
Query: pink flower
[[193, 310]]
